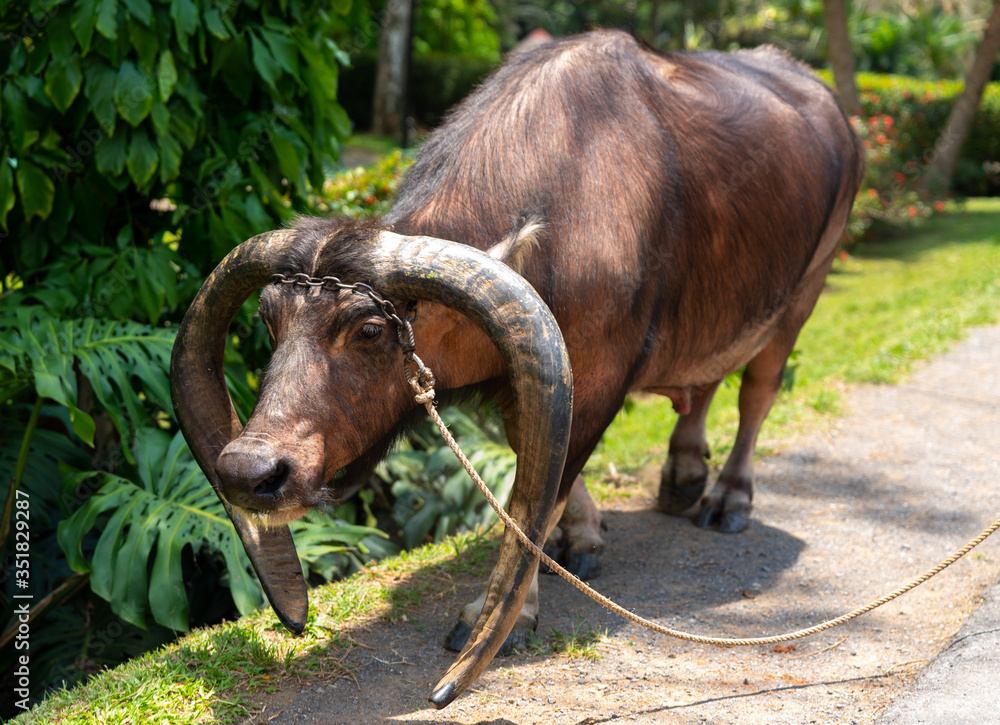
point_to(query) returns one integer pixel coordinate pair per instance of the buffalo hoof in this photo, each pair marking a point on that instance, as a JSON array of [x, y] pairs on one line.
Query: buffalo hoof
[[708, 515], [676, 499], [458, 636], [516, 640], [731, 519], [682, 481], [733, 522], [584, 565]]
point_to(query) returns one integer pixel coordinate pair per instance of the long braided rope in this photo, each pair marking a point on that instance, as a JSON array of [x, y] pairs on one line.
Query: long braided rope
[[423, 384]]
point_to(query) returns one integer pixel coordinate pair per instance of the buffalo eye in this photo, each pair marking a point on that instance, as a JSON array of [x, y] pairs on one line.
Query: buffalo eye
[[369, 331]]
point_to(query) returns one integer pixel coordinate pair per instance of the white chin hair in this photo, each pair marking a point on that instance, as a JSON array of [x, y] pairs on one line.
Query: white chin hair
[[273, 519]]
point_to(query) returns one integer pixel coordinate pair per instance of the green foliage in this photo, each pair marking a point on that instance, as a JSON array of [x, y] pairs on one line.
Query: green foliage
[[920, 110], [54, 355], [109, 106], [365, 191], [329, 548], [437, 83], [900, 128], [139, 142], [927, 43], [456, 27], [434, 496], [170, 507]]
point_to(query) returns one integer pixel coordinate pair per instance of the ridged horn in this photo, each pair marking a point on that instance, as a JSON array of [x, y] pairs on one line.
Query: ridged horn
[[523, 329], [208, 419]]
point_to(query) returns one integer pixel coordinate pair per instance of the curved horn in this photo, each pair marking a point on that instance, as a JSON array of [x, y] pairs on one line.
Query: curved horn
[[519, 323], [208, 419]]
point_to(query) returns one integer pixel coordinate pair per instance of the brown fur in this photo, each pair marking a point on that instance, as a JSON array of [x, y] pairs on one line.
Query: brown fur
[[677, 212]]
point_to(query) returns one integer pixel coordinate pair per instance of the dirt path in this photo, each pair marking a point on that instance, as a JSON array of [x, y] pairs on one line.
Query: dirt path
[[842, 516]]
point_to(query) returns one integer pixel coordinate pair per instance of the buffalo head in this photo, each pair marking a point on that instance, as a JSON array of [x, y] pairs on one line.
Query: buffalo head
[[334, 394]]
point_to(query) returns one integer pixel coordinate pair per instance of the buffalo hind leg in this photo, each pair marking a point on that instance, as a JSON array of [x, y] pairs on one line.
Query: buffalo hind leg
[[576, 541], [684, 475], [730, 500]]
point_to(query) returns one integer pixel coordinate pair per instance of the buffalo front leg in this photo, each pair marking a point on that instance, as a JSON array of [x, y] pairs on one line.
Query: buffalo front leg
[[684, 475], [576, 541], [527, 620]]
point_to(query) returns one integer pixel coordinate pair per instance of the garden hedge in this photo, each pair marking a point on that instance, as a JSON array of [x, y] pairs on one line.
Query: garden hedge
[[919, 110]]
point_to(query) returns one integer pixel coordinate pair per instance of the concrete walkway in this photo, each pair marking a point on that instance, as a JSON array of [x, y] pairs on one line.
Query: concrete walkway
[[962, 684]]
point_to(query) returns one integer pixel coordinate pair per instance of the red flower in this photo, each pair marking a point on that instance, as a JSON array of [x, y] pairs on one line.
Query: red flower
[[899, 176], [370, 200], [887, 120], [873, 193], [881, 139], [939, 206], [911, 210]]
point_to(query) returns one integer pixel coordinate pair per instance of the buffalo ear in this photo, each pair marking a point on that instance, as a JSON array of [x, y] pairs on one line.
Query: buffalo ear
[[515, 248]]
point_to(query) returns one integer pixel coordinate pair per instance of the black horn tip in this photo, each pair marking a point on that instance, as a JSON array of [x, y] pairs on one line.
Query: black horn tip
[[443, 696], [294, 624]]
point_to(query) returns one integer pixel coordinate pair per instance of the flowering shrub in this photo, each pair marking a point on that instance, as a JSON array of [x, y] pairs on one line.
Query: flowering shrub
[[890, 192], [365, 190], [900, 127]]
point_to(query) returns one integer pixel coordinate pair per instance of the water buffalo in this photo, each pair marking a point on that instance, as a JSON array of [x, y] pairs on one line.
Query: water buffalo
[[650, 222]]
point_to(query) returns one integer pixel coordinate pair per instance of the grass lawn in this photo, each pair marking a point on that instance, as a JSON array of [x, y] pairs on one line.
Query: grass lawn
[[886, 307]]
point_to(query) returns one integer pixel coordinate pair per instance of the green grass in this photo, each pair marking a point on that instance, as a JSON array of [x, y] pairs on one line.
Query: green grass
[[582, 642], [889, 305], [214, 674]]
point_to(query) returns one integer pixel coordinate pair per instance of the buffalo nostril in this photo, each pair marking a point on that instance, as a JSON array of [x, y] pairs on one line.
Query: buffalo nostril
[[252, 480], [273, 483]]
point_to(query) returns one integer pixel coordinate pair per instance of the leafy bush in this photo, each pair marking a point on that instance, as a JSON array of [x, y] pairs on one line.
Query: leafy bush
[[921, 109], [364, 191], [434, 496], [139, 142], [927, 43], [901, 127]]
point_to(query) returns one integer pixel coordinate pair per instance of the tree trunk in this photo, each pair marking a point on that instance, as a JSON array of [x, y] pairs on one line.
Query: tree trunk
[[841, 56], [388, 107], [963, 113]]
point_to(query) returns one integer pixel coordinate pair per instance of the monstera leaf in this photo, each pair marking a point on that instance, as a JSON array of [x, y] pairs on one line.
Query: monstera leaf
[[46, 352], [170, 506]]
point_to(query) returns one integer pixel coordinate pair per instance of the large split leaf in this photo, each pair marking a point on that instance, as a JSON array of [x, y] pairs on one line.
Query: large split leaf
[[119, 359], [169, 507]]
